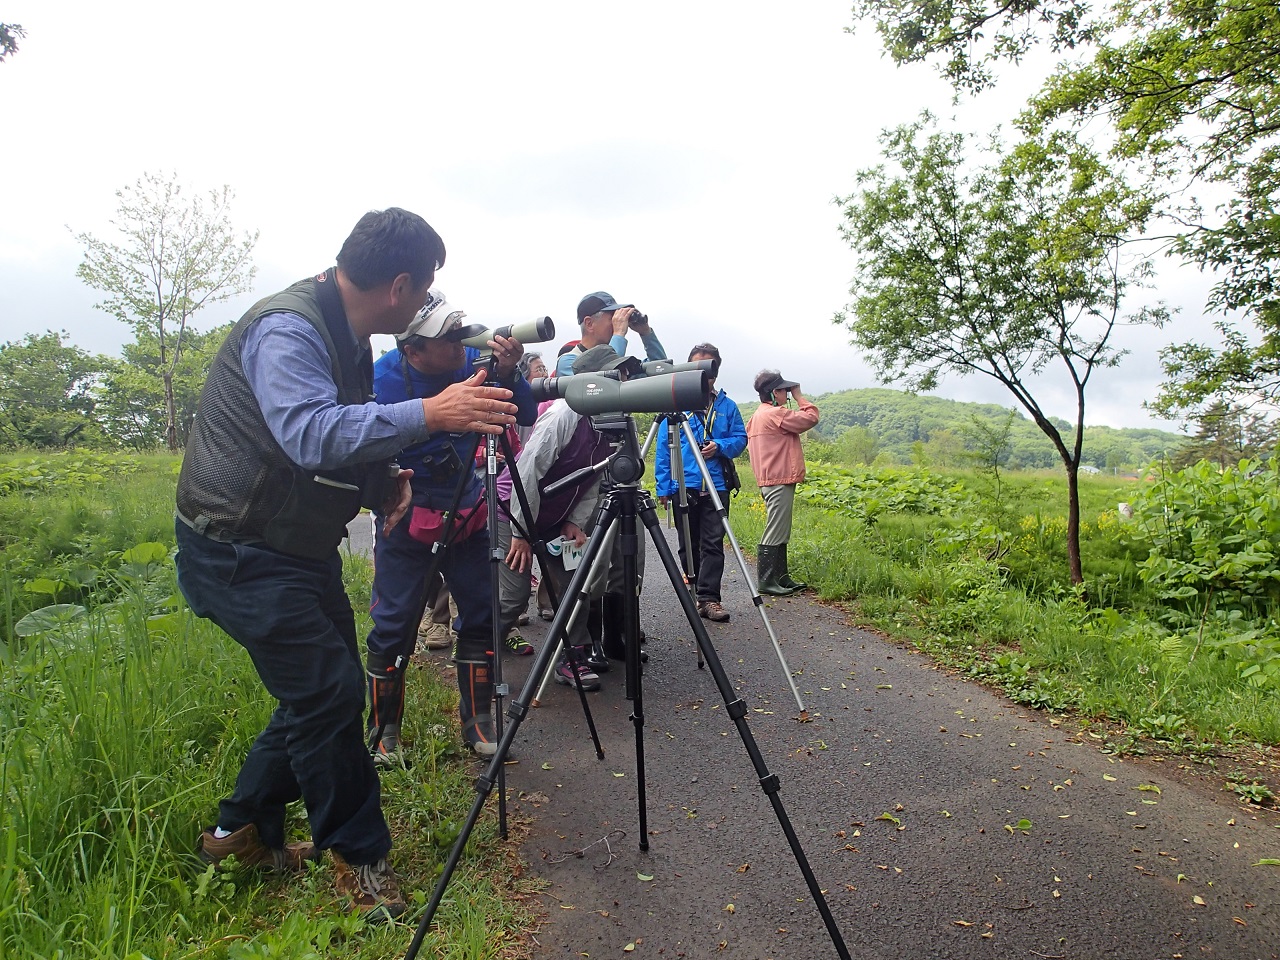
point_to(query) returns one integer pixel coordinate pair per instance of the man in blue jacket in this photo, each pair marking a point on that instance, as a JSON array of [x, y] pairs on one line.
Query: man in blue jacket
[[428, 359], [721, 436]]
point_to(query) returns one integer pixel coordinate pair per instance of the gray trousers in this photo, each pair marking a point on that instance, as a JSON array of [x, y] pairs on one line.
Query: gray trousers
[[778, 504], [513, 589]]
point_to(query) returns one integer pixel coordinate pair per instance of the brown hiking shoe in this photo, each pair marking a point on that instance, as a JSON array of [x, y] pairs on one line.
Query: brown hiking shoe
[[372, 888], [710, 610], [249, 850]]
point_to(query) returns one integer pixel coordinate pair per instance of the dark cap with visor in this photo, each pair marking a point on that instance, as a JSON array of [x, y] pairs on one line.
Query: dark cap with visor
[[776, 382], [593, 303]]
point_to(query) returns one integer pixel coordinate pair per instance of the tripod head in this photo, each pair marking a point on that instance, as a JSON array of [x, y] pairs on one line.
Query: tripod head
[[626, 464]]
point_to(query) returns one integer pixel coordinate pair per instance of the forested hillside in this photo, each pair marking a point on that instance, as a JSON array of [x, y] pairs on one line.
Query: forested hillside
[[876, 423]]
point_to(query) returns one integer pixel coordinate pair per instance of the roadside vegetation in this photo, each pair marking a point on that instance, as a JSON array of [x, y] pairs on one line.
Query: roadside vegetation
[[123, 718], [1170, 645], [123, 721]]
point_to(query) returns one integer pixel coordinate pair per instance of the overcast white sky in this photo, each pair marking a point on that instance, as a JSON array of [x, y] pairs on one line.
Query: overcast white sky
[[680, 155]]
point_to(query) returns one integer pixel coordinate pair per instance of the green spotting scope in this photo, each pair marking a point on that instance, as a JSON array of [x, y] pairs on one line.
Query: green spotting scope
[[593, 393], [654, 368], [530, 331]]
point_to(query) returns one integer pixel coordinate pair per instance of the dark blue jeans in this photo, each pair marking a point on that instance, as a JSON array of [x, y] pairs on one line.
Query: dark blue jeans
[[293, 617], [400, 565]]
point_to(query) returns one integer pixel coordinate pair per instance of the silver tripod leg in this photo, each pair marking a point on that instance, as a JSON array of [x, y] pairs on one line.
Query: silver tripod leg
[[742, 565]]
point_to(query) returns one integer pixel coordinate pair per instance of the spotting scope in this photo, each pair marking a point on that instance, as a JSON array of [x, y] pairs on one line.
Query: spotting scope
[[592, 393], [530, 331], [655, 367]]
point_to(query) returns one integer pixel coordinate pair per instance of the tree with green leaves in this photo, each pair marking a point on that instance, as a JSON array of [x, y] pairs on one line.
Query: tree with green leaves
[[10, 34], [177, 254], [47, 392], [1000, 269], [989, 446], [857, 447], [1191, 88], [131, 402]]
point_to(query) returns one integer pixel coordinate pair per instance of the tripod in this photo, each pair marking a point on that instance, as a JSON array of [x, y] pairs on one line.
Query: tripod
[[682, 530], [621, 506], [482, 682]]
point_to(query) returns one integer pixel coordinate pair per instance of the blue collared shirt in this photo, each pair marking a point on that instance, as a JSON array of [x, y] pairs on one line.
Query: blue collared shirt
[[290, 373]]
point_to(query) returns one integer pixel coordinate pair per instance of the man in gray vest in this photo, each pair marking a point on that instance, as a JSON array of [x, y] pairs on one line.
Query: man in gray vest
[[286, 447]]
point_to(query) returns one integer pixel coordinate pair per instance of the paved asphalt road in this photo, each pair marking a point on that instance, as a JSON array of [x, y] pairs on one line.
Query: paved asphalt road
[[906, 790]]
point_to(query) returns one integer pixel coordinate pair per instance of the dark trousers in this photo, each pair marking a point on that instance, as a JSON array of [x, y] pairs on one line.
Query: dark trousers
[[706, 534], [400, 564], [293, 617]]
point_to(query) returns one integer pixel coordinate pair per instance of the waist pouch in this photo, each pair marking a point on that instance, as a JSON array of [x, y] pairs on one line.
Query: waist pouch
[[427, 524]]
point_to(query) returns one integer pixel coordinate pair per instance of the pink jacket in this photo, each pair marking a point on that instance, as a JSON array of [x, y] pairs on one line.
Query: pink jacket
[[773, 442]]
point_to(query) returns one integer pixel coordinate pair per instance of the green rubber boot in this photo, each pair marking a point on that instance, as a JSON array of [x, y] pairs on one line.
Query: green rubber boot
[[768, 565]]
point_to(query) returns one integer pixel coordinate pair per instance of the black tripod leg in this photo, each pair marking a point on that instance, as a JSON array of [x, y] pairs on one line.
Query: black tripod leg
[[629, 542], [518, 711], [737, 709]]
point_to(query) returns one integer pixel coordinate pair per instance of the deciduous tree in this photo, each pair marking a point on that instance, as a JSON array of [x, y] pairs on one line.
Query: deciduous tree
[[131, 403], [1189, 87], [10, 34], [177, 253], [1000, 269], [47, 392]]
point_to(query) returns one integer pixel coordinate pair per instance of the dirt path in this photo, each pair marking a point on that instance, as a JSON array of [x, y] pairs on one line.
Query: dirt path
[[906, 791]]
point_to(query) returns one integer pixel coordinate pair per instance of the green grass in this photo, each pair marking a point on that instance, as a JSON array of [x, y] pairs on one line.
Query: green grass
[[123, 725], [986, 590], [124, 722]]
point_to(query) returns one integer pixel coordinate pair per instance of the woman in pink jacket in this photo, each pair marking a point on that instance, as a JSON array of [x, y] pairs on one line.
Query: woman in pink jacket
[[773, 444]]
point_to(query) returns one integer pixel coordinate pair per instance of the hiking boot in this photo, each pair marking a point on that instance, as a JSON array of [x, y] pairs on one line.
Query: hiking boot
[[564, 672], [546, 613], [518, 644], [249, 850], [372, 888], [711, 610], [522, 620], [433, 636]]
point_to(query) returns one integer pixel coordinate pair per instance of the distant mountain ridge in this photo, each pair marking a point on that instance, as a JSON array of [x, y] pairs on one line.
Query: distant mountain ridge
[[905, 427]]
